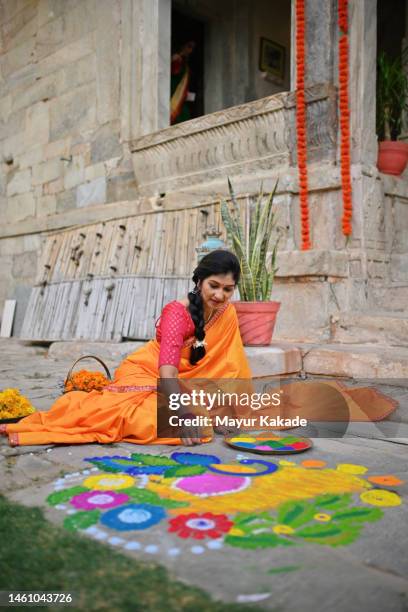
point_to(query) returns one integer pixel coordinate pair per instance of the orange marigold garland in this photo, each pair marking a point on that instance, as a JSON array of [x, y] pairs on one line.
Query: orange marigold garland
[[345, 159], [301, 123]]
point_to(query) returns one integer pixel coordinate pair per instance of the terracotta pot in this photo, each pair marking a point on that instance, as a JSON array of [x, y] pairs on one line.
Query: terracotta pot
[[256, 321], [392, 157]]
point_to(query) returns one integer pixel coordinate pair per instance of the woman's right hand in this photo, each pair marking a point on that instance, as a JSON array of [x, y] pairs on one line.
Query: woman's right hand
[[191, 435]]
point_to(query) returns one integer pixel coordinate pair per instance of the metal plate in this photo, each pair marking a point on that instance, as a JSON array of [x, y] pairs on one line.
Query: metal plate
[[268, 443]]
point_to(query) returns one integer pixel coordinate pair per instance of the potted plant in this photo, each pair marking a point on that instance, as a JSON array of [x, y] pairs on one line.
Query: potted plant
[[392, 91], [256, 312]]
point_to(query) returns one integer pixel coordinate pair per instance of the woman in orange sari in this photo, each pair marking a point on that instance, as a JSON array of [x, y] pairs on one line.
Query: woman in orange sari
[[197, 337]]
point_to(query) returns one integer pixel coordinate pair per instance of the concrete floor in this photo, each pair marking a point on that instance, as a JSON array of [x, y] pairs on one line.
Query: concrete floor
[[371, 574]]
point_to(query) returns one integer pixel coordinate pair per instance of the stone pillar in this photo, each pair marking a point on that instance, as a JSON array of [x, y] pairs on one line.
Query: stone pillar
[[322, 64], [321, 18], [363, 62], [145, 67]]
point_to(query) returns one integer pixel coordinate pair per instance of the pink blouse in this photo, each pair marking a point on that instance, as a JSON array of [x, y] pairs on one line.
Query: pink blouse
[[174, 326]]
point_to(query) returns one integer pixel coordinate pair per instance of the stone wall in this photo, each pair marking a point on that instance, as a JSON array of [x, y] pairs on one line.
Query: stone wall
[[60, 142]]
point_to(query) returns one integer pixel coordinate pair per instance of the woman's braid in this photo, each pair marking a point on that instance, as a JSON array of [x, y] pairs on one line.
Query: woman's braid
[[196, 309]]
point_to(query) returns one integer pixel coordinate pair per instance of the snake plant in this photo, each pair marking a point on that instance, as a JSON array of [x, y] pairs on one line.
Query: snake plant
[[392, 94], [252, 246]]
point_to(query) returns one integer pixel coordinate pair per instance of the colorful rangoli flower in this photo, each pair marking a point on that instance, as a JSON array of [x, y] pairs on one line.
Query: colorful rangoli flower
[[107, 482], [98, 499], [133, 516], [322, 517], [283, 529], [211, 484], [387, 480], [200, 526], [379, 497]]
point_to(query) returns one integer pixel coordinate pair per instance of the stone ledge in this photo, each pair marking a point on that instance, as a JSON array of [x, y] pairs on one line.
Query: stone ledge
[[110, 351], [355, 361], [312, 263], [201, 196], [351, 360], [388, 330], [72, 218], [395, 186], [274, 360], [264, 361]]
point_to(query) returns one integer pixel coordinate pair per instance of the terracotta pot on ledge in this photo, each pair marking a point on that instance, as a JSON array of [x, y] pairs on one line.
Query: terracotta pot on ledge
[[392, 157], [256, 321]]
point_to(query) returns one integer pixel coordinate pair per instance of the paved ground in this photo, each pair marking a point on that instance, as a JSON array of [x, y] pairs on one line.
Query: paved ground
[[369, 574]]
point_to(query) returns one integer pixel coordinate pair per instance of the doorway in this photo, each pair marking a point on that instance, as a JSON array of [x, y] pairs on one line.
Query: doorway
[[187, 67]]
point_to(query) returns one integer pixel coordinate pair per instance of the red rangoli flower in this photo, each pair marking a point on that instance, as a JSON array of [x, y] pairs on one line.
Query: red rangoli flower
[[200, 526]]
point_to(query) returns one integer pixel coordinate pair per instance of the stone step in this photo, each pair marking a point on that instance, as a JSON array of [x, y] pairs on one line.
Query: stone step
[[265, 361], [355, 361], [343, 360], [350, 360], [274, 360], [367, 365], [109, 351], [371, 328], [364, 363]]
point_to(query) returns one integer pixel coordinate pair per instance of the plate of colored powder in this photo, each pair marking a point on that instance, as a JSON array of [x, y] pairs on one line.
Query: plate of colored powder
[[269, 443]]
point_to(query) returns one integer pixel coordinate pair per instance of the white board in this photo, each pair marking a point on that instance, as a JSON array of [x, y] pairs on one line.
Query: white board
[[8, 318]]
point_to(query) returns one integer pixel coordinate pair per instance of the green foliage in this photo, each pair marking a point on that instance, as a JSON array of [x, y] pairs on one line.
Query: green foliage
[[261, 540], [82, 520], [332, 501], [392, 92], [330, 534], [256, 531], [252, 247], [296, 513], [175, 470], [184, 470], [144, 496], [146, 459], [60, 497], [328, 519], [284, 569], [359, 514], [106, 468]]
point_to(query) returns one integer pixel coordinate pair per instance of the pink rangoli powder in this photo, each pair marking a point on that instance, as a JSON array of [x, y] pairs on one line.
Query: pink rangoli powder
[[211, 484]]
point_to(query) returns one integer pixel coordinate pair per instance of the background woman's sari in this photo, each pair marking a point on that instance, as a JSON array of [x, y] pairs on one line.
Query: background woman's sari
[[126, 410]]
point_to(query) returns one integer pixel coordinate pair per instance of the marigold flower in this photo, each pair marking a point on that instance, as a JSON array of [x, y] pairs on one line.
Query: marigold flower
[[13, 404], [86, 381]]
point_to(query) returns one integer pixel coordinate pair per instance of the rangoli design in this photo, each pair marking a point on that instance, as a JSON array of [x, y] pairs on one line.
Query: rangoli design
[[205, 503]]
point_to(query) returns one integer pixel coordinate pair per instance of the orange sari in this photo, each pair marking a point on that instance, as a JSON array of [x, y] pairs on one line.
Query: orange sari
[[127, 409]]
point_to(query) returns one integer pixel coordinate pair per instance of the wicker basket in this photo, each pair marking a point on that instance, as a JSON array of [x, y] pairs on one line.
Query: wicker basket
[[68, 378]]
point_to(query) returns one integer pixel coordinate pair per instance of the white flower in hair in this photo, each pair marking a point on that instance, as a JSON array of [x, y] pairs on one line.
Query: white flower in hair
[[199, 343]]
